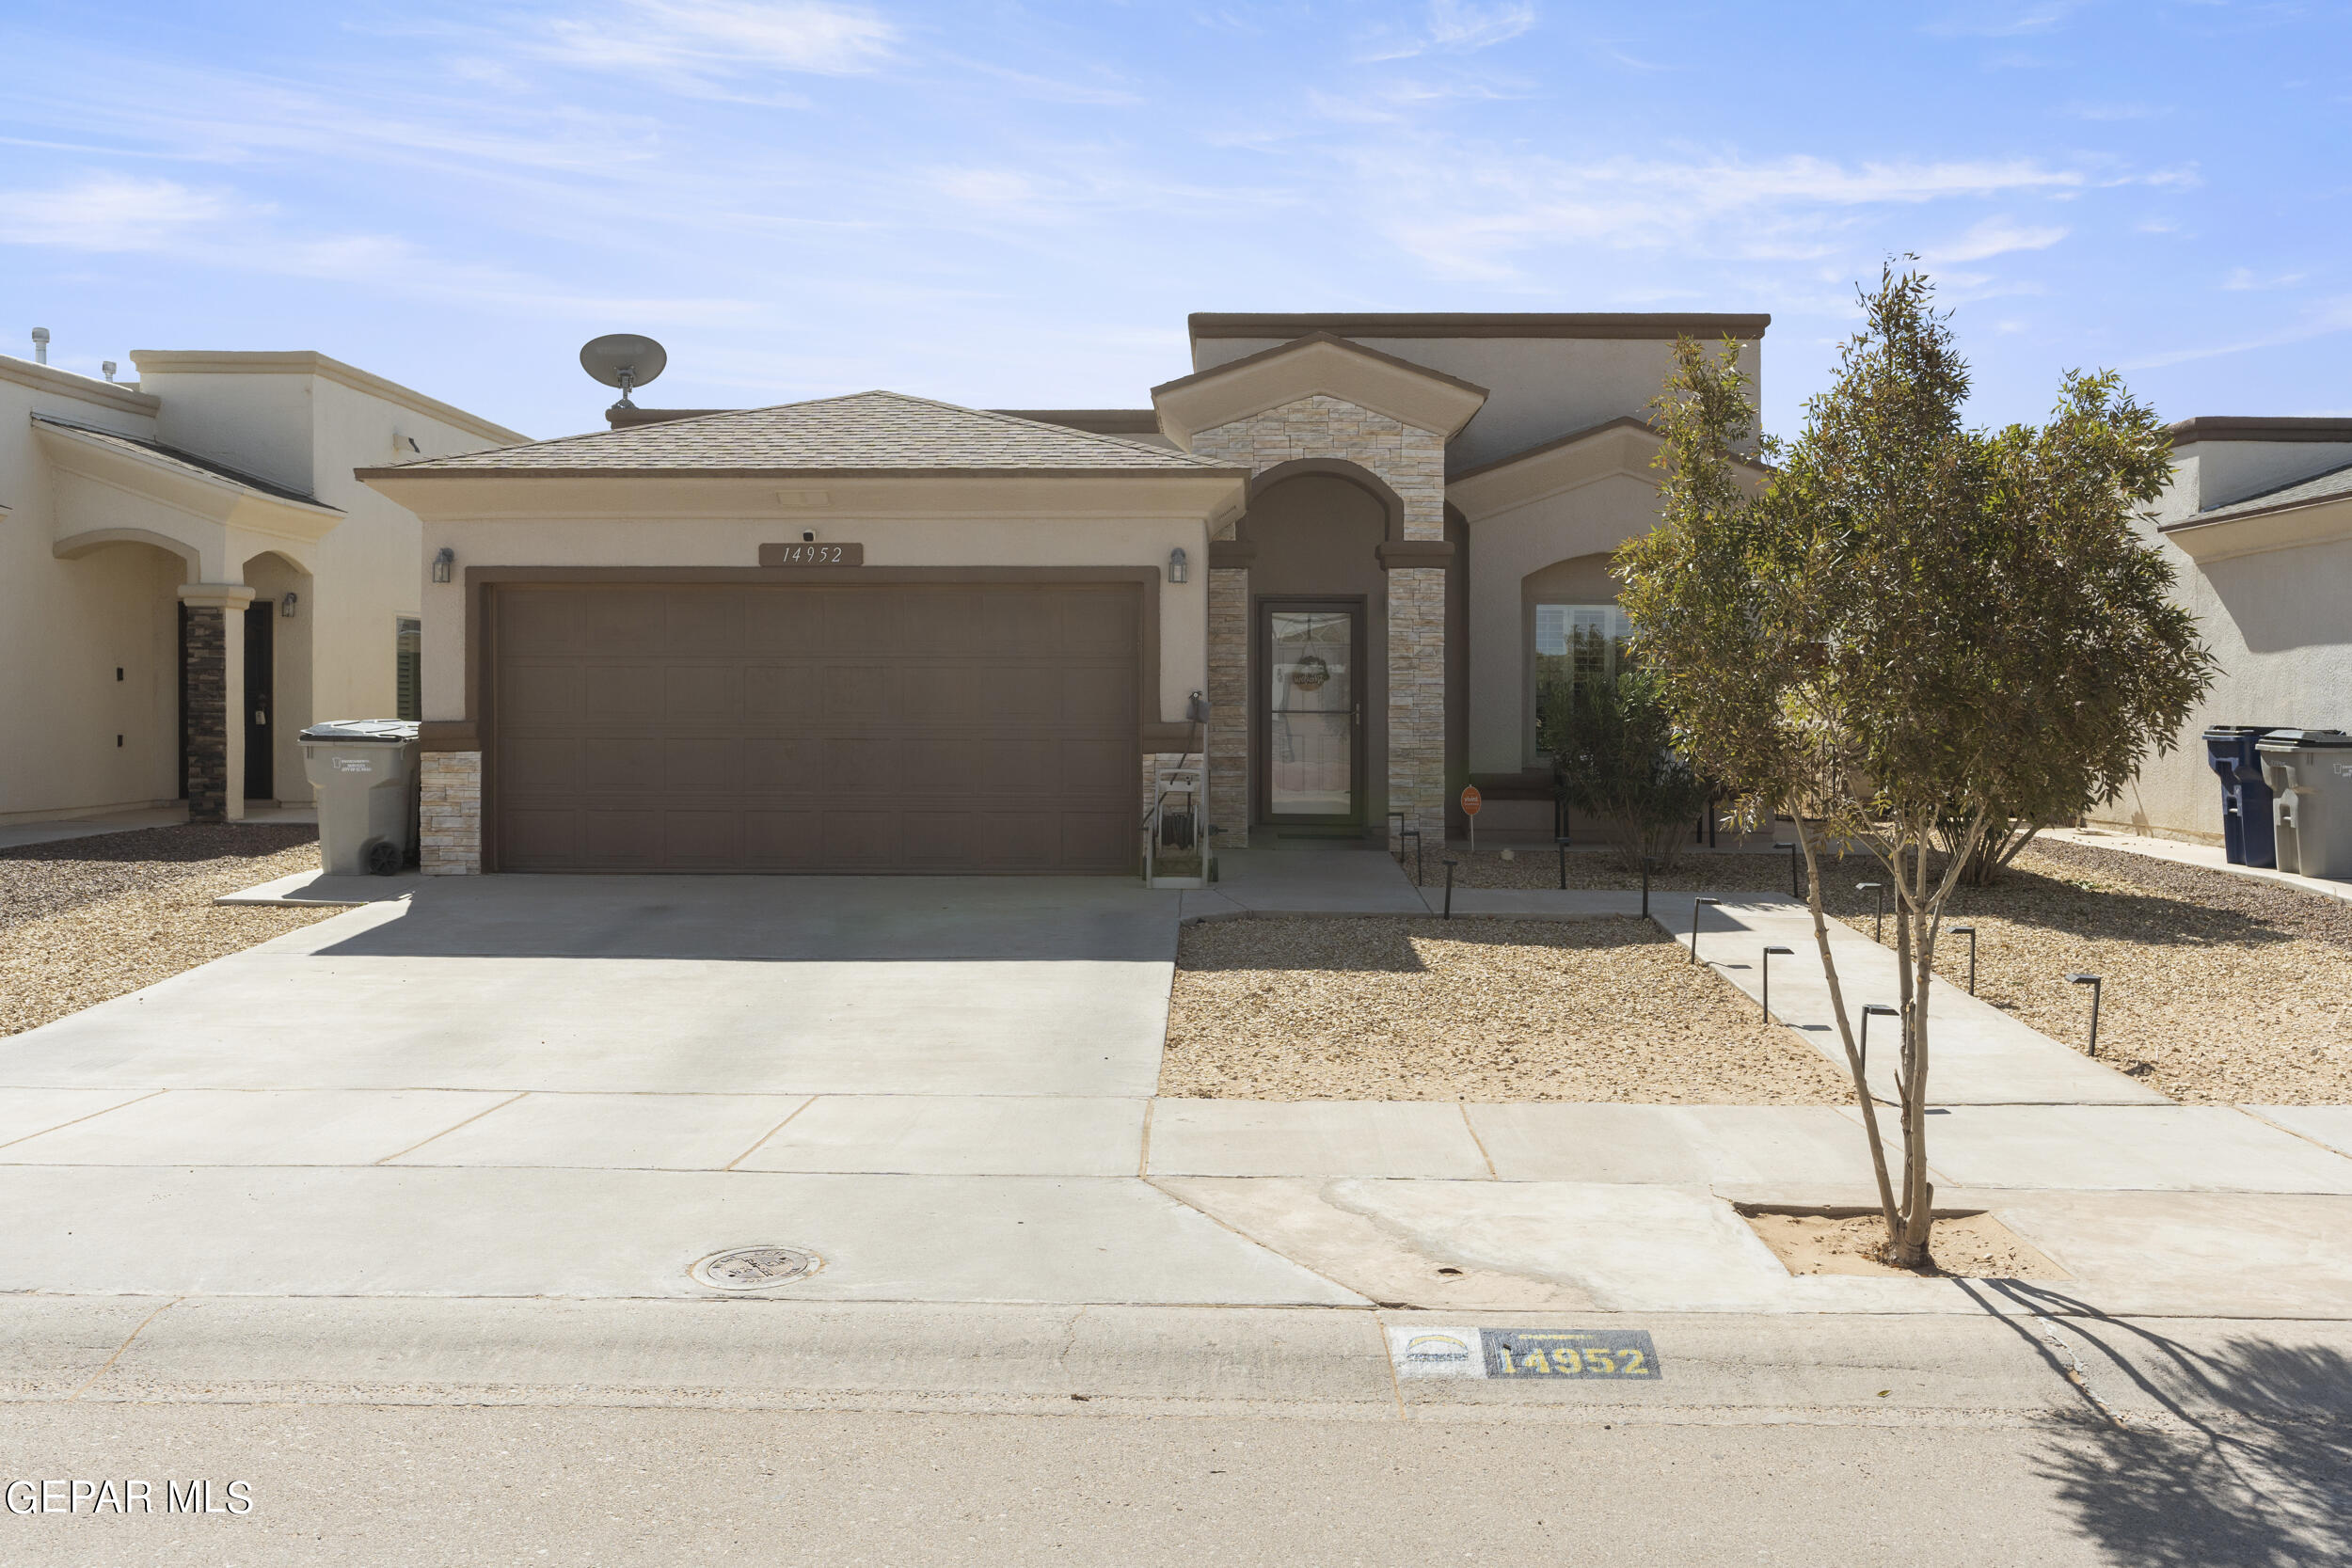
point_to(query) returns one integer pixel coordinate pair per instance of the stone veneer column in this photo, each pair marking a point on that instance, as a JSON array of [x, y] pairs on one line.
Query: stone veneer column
[[1412, 461], [449, 817], [1229, 706], [215, 698]]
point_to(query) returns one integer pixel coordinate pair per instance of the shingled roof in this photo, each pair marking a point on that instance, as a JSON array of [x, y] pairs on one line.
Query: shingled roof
[[863, 432]]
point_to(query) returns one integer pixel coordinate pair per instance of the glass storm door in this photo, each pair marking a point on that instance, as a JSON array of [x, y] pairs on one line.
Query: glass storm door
[[1315, 707]]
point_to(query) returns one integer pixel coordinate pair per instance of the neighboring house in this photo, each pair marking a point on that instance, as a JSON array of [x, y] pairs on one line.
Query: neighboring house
[[189, 573], [877, 632], [2258, 525]]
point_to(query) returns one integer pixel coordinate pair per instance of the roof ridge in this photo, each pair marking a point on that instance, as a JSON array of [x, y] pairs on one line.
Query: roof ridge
[[1056, 429]]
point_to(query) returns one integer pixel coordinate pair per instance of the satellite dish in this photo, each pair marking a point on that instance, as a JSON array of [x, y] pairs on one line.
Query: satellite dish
[[624, 359]]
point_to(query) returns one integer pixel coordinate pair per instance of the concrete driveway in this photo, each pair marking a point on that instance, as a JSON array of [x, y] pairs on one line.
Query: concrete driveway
[[663, 985]]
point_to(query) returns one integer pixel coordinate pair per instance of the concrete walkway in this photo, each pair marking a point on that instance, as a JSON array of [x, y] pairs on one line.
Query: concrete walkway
[[2207, 857], [18, 834], [1980, 1055]]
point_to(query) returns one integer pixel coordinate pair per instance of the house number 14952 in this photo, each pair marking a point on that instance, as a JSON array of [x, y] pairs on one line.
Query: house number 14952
[[812, 555]]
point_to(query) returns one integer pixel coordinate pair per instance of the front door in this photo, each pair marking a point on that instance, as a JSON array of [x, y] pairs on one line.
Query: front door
[[1311, 735], [261, 642]]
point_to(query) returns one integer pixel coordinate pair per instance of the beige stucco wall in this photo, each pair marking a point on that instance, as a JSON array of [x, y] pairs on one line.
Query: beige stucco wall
[[1589, 520], [67, 625], [282, 419], [1078, 540], [1541, 387], [2279, 623]]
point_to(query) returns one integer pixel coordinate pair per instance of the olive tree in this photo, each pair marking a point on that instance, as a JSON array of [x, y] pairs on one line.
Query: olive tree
[[1915, 636]]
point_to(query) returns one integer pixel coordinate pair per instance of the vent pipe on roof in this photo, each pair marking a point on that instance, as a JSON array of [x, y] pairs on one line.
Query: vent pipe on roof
[[40, 345]]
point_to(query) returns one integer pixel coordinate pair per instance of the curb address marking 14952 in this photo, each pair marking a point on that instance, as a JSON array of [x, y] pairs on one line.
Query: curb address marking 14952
[[1500, 1354]]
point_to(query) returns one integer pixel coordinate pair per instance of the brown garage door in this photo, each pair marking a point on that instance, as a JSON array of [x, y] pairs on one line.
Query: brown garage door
[[866, 727]]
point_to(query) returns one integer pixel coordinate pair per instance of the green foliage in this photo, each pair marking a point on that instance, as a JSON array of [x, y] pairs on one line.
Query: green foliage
[[1912, 634], [1613, 759]]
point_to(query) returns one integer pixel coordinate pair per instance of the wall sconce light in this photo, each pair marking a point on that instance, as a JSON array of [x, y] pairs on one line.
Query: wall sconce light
[[443, 562], [1178, 569], [286, 605]]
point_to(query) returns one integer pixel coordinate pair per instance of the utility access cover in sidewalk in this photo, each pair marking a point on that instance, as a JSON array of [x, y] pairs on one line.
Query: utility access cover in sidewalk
[[1517, 1352], [755, 1268]]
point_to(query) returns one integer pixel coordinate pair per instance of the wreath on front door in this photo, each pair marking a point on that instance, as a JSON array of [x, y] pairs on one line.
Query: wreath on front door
[[1311, 674]]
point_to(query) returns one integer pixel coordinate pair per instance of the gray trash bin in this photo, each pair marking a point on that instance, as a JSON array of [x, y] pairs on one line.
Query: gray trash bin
[[364, 772], [2309, 774]]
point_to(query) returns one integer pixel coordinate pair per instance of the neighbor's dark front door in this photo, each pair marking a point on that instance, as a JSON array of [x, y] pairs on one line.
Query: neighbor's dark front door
[[1311, 712], [261, 642]]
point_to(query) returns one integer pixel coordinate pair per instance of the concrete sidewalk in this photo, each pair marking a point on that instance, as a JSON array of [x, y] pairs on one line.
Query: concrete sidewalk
[[2206, 857]]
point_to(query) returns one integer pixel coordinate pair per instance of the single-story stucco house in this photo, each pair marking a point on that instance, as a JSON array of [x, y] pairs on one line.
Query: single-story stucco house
[[2258, 525], [1341, 558], [189, 573]]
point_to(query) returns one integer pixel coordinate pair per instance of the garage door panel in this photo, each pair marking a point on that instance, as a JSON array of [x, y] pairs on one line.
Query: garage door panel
[[783, 840], [535, 764], [1097, 838], [783, 765], [862, 840], [539, 623], [857, 765], [702, 840], [702, 621], [947, 840], [623, 621], [1021, 838], [1098, 768], [814, 727], [1093, 689], [790, 695], [535, 693], [612, 693], [622, 765], [703, 766], [701, 693], [534, 838], [625, 839], [853, 693], [1095, 625]]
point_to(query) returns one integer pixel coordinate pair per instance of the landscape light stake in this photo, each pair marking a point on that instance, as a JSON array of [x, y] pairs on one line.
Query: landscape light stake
[[1695, 904], [1450, 863], [1796, 870], [1878, 935], [1644, 887], [2093, 982], [1413, 834], [1564, 862], [1970, 932], [1783, 952], [1885, 1011]]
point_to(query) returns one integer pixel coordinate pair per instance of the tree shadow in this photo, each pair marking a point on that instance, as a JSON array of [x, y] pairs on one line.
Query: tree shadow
[[2247, 1459]]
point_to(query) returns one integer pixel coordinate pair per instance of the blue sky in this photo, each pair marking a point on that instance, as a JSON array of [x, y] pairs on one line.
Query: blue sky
[[1016, 205]]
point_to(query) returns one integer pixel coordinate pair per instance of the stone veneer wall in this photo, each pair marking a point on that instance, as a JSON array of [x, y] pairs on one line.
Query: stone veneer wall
[[1229, 706], [1412, 461], [450, 813], [207, 719]]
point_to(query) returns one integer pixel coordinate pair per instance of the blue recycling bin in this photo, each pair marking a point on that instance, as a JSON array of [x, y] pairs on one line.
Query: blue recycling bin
[[2246, 832]]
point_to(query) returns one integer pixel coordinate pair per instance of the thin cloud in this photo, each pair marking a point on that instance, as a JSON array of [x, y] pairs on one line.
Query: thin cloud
[[2004, 22], [115, 213], [2245, 278], [1997, 237], [1457, 26], [675, 40], [2332, 318]]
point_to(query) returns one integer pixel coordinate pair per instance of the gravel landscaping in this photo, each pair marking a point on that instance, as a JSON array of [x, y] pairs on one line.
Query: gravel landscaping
[[2218, 990], [1471, 1009], [86, 919]]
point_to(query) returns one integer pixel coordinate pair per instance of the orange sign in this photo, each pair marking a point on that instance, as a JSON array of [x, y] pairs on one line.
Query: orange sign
[[1472, 802]]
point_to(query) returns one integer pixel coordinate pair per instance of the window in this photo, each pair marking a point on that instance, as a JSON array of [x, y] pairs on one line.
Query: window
[[408, 669], [1574, 643]]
